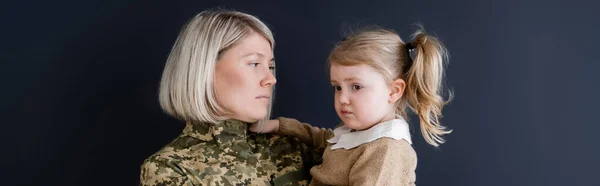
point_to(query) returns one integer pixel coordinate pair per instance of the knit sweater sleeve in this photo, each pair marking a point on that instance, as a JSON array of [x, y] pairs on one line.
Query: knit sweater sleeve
[[385, 162], [312, 136]]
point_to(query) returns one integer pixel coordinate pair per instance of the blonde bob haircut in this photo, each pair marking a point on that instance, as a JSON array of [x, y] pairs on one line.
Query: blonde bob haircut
[[186, 88]]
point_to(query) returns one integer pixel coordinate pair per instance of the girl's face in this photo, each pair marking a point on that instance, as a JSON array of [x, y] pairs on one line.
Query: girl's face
[[362, 97], [244, 78]]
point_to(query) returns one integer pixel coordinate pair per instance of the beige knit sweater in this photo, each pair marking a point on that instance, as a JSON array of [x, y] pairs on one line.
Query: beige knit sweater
[[385, 161]]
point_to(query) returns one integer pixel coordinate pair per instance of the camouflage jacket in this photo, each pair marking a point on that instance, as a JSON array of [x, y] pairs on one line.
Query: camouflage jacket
[[227, 154]]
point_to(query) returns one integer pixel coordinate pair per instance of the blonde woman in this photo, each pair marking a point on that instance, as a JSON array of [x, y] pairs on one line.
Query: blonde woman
[[375, 81], [219, 79]]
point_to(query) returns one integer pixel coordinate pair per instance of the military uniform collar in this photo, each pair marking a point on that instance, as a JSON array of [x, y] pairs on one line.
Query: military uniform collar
[[224, 132]]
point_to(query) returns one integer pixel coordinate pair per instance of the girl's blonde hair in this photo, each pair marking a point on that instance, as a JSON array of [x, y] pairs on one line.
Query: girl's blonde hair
[[385, 51], [187, 84]]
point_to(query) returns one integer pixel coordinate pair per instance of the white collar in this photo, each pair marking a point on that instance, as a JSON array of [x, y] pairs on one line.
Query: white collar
[[395, 129]]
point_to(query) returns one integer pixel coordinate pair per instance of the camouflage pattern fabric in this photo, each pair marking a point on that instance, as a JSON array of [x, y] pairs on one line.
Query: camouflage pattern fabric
[[227, 154]]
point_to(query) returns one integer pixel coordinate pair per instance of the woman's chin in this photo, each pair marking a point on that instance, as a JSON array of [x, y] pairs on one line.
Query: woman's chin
[[256, 116]]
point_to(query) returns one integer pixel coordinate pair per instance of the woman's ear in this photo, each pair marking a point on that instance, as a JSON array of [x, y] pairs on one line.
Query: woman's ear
[[397, 90]]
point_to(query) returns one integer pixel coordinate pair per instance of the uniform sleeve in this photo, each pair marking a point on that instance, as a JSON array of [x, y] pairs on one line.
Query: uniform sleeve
[[162, 172], [313, 136], [389, 163]]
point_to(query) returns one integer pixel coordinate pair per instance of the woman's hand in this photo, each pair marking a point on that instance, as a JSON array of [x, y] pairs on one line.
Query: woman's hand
[[269, 127]]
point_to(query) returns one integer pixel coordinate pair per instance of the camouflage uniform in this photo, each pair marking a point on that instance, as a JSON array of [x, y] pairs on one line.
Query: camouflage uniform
[[227, 154]]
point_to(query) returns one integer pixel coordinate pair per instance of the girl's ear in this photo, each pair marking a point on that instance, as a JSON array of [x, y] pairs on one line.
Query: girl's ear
[[396, 90]]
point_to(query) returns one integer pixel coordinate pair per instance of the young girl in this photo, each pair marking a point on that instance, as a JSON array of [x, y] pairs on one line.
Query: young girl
[[375, 81]]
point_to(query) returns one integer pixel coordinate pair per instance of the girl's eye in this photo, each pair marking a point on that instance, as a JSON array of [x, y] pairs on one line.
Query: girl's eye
[[336, 88], [356, 87], [254, 64], [272, 68]]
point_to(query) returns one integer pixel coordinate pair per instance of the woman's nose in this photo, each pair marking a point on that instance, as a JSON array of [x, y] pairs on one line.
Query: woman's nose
[[269, 80]]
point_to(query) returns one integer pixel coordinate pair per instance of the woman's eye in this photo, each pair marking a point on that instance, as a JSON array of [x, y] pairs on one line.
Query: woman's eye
[[337, 88], [272, 68], [254, 64], [356, 87]]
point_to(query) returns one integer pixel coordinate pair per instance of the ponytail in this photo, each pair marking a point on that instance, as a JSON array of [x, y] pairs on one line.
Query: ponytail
[[424, 77]]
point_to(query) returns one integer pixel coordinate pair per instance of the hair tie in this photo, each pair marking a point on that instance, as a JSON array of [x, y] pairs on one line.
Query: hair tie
[[409, 62], [409, 46]]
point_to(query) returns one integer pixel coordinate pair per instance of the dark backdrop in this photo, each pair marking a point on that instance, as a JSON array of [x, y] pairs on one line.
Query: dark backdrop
[[80, 80]]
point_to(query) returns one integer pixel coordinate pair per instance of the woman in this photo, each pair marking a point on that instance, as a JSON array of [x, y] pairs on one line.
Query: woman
[[219, 79]]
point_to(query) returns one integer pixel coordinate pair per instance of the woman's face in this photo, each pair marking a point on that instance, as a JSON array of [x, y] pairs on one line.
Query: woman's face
[[244, 78]]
